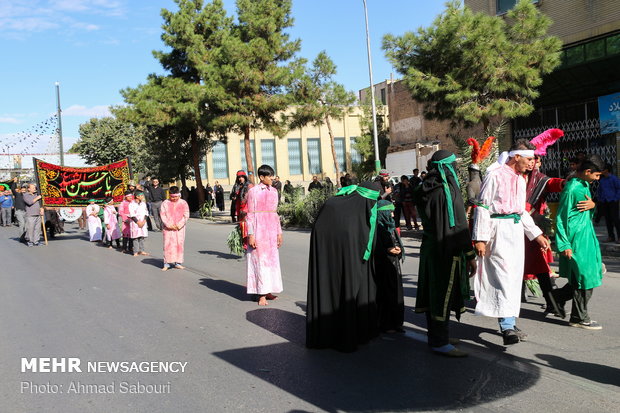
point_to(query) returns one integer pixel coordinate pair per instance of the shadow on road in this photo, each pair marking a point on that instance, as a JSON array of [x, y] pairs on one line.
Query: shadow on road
[[588, 371], [392, 373], [154, 262], [233, 290], [222, 255]]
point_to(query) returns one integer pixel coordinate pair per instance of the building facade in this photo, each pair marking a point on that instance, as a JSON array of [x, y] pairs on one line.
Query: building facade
[[298, 156], [570, 96]]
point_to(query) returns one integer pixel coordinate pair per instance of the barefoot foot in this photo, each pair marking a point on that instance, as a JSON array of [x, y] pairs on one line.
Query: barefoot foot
[[262, 301]]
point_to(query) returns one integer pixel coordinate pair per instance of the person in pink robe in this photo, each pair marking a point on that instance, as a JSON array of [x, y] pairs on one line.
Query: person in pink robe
[[174, 215], [112, 232], [264, 238], [123, 211]]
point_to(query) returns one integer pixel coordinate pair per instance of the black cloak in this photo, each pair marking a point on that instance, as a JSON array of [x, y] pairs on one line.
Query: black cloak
[[442, 278], [388, 275], [341, 308]]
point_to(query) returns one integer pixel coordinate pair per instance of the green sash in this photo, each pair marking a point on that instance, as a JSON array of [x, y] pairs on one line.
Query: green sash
[[515, 217], [369, 194]]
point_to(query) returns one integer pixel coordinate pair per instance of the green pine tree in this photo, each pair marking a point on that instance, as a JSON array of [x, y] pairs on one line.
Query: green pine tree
[[319, 99], [473, 68], [255, 68]]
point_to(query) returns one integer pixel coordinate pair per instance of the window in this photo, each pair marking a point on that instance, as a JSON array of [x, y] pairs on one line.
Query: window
[[314, 155], [613, 44], [220, 161], [244, 164], [203, 170], [575, 55], [268, 152], [340, 150], [294, 157], [356, 158], [595, 49], [383, 99], [504, 5]]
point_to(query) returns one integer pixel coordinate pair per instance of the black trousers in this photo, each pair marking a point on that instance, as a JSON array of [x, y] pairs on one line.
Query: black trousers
[[438, 334], [612, 220], [546, 285], [398, 209], [579, 311]]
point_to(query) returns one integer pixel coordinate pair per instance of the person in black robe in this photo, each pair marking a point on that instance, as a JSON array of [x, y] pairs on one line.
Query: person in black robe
[[341, 307], [389, 251], [447, 254], [219, 196], [193, 199]]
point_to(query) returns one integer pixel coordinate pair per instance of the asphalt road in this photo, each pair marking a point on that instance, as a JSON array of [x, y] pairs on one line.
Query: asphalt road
[[74, 299]]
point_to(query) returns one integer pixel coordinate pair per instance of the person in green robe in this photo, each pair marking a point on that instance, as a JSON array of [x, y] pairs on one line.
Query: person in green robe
[[580, 253], [447, 254]]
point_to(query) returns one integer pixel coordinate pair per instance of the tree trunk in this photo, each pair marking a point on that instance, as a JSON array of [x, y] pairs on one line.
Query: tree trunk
[[248, 153], [196, 165], [333, 144], [183, 180]]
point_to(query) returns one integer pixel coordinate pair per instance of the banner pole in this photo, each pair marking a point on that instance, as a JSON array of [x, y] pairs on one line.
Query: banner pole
[[43, 225]]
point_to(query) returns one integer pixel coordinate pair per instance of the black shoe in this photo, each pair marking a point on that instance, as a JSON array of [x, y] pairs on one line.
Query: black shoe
[[522, 336], [510, 337]]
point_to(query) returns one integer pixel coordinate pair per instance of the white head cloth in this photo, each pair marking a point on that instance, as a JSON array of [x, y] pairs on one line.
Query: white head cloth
[[504, 156]]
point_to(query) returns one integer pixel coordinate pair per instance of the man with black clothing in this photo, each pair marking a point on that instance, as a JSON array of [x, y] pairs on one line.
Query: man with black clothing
[[33, 215], [157, 195], [20, 208], [415, 179], [277, 184], [315, 184]]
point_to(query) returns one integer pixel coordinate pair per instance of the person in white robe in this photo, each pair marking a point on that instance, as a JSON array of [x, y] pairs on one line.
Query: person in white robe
[[94, 222], [500, 223], [138, 212]]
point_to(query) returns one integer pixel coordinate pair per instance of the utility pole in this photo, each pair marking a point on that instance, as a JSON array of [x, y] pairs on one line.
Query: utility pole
[[372, 96], [62, 152]]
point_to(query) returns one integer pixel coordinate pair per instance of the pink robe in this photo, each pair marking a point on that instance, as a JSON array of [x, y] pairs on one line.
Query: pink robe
[[263, 263], [111, 223], [123, 211], [174, 214], [139, 211]]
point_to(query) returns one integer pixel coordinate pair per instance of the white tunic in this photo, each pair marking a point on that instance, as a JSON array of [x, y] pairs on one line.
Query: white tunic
[[94, 222], [139, 211], [497, 284]]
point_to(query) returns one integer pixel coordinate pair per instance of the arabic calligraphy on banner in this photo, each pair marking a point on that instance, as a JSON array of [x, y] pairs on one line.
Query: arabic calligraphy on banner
[[67, 186]]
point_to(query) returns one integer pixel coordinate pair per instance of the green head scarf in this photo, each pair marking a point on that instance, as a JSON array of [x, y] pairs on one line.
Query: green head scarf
[[442, 165], [369, 194]]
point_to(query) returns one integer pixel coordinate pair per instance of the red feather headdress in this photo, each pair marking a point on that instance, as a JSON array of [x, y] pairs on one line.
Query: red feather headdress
[[479, 154], [546, 139], [486, 148], [475, 150]]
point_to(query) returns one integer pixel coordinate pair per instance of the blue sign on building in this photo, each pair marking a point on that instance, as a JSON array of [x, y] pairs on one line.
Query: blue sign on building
[[609, 113]]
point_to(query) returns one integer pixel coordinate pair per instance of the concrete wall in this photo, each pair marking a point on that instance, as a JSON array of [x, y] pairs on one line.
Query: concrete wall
[[573, 20], [408, 125]]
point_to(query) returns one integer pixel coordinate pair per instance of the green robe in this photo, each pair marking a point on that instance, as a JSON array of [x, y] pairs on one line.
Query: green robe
[[574, 231]]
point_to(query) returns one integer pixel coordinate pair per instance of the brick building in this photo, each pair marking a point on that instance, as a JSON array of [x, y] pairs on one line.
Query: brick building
[[590, 31], [409, 130]]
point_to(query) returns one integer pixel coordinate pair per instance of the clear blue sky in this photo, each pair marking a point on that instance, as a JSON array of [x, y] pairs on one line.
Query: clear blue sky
[[95, 48]]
